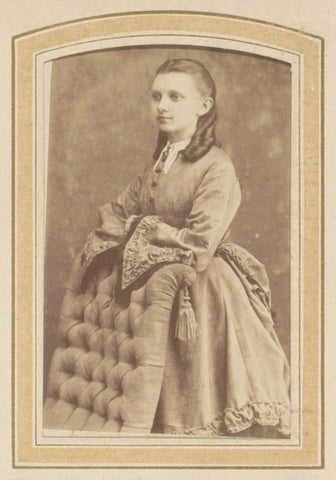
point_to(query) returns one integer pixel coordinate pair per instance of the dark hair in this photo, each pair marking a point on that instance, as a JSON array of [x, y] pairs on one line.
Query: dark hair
[[204, 137]]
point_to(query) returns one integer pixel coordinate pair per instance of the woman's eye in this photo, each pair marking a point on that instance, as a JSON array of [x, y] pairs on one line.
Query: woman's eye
[[175, 97], [156, 97]]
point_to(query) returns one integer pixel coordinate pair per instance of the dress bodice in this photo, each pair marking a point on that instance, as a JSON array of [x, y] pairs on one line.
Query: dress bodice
[[196, 201], [171, 195]]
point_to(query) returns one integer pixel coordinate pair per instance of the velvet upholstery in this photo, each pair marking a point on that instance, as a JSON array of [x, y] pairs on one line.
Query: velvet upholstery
[[107, 369]]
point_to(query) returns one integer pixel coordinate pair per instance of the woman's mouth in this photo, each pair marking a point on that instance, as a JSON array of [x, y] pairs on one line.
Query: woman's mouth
[[162, 118]]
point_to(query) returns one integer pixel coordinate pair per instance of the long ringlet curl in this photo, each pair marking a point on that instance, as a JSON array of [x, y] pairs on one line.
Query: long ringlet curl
[[204, 137]]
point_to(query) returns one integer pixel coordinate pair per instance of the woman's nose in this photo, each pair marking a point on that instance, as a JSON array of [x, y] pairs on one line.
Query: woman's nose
[[163, 105]]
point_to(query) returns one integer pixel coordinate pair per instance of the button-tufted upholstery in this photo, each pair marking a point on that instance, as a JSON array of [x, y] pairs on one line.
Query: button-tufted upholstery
[[107, 369]]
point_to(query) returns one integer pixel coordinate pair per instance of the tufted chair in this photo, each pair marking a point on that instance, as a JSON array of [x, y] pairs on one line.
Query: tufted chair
[[107, 369]]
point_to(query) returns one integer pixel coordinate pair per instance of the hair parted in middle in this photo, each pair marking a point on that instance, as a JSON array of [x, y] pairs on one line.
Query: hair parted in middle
[[204, 137]]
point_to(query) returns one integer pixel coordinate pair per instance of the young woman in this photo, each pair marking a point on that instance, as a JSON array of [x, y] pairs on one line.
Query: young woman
[[225, 369]]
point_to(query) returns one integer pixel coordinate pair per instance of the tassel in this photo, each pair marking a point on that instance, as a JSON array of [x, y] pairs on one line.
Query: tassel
[[186, 325]]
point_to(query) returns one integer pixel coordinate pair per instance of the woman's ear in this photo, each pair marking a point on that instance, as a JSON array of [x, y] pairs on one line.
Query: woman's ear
[[207, 103]]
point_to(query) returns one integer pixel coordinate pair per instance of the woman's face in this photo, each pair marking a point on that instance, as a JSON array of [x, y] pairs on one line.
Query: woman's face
[[177, 104]]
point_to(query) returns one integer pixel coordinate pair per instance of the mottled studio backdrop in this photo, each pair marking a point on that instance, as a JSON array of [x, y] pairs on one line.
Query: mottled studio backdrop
[[101, 135]]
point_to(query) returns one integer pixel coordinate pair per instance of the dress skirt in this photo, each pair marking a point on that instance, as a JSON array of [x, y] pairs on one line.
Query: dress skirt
[[235, 374]]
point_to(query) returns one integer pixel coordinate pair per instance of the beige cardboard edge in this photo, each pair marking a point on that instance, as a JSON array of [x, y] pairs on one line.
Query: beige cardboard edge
[[21, 403]]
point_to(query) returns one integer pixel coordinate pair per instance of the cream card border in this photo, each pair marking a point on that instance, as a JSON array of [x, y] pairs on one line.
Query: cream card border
[[30, 51]]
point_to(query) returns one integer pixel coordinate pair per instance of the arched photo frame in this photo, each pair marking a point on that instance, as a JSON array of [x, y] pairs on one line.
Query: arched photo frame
[[36, 56]]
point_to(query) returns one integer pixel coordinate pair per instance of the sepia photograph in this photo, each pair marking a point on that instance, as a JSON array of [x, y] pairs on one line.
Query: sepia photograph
[[167, 244], [172, 315]]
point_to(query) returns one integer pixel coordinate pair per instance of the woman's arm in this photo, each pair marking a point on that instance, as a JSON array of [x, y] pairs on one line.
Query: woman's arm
[[115, 214], [214, 206]]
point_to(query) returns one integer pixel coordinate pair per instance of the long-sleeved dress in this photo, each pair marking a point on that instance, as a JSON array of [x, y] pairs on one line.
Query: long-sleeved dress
[[235, 374]]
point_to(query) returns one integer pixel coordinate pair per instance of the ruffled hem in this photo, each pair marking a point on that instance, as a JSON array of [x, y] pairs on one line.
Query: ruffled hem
[[235, 420]]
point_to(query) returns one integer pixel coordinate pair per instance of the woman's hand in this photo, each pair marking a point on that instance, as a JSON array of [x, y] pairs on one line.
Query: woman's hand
[[131, 221]]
